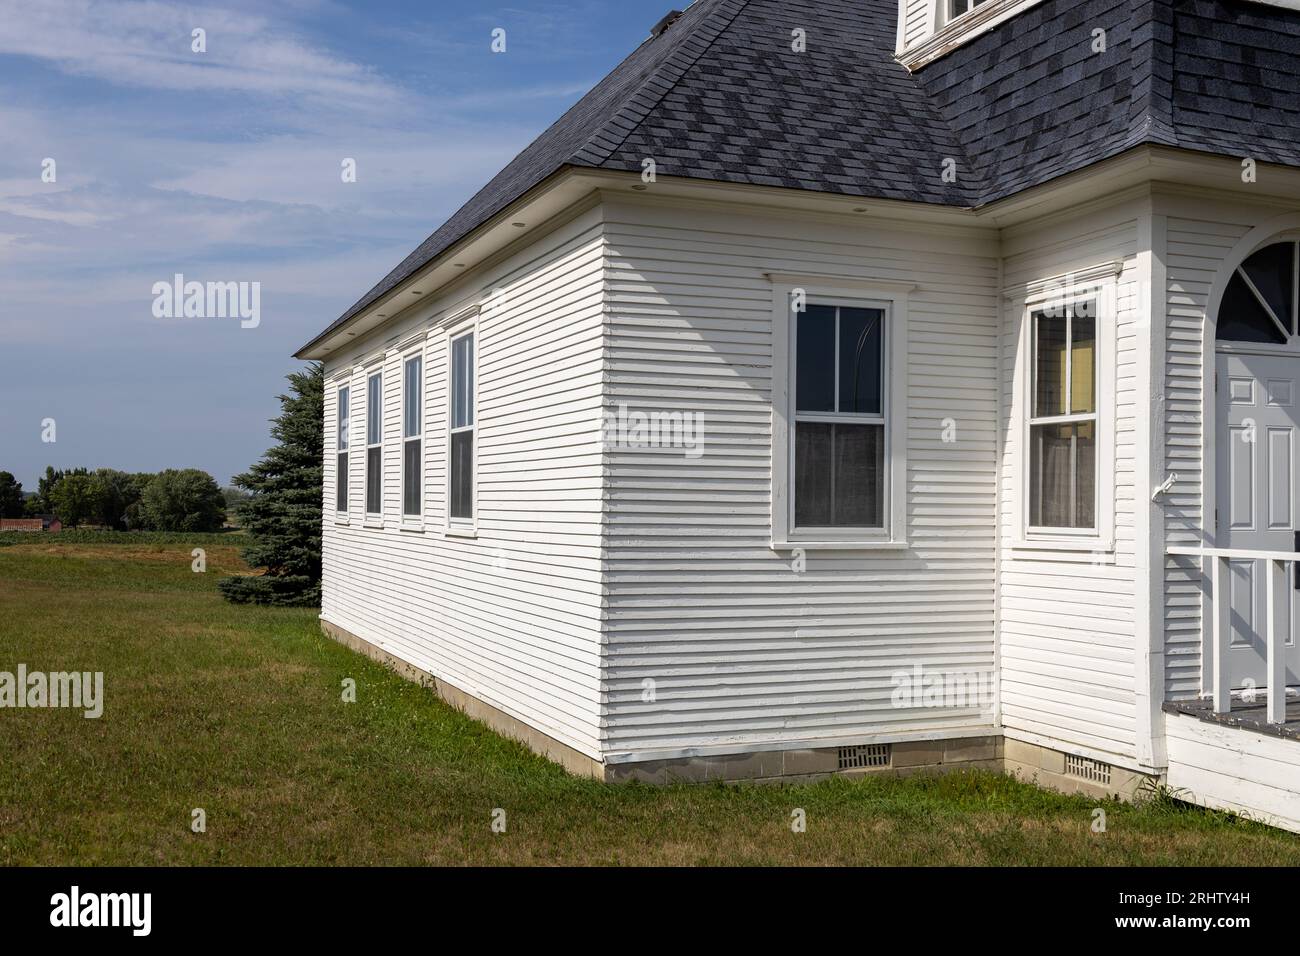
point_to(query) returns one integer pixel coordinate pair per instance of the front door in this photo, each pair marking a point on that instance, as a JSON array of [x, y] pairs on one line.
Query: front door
[[1256, 461]]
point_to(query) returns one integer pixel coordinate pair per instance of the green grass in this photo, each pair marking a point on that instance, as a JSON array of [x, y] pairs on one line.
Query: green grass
[[237, 710]]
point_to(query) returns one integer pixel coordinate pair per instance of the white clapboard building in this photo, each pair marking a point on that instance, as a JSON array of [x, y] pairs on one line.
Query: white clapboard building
[[853, 384]]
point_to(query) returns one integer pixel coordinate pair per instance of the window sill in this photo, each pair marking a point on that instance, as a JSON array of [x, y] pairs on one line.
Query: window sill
[[342, 519], [811, 545], [373, 522], [461, 533], [416, 526]]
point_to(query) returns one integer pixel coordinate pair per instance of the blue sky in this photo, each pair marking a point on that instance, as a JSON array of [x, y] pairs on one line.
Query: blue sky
[[225, 166]]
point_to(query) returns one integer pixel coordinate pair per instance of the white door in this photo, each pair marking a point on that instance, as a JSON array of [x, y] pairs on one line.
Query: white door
[[1256, 460]]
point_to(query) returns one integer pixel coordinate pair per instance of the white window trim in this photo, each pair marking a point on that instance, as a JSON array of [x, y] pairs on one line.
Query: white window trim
[[342, 515], [834, 290], [1099, 540], [415, 522], [373, 519], [462, 527]]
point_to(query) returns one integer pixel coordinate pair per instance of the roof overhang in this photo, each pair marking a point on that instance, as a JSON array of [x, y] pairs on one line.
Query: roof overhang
[[517, 224], [524, 220]]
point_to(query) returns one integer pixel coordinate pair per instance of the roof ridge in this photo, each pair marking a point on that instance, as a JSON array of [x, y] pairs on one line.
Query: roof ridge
[[1151, 106], [610, 137]]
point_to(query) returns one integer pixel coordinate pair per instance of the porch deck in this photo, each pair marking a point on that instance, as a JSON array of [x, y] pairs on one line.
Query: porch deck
[[1247, 716], [1237, 760]]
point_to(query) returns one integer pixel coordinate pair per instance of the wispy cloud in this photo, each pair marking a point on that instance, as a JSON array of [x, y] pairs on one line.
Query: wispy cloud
[[148, 44]]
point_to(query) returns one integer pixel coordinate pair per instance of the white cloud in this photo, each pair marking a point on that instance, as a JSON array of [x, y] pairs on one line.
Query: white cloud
[[143, 43]]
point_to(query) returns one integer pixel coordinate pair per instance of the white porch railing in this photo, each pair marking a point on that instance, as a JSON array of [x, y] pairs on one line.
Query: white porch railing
[[1215, 675]]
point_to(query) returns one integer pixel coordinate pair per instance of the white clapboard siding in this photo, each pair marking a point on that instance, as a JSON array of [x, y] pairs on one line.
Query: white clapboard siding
[[1067, 633], [917, 20], [1199, 236], [512, 616], [742, 649]]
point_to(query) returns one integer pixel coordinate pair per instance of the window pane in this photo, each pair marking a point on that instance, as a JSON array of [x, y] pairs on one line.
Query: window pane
[[462, 475], [815, 359], [341, 483], [1272, 269], [345, 414], [859, 476], [1243, 319], [861, 341], [412, 479], [374, 479], [411, 398], [1062, 479], [813, 475], [374, 410], [462, 382], [839, 475], [1083, 359], [1049, 366]]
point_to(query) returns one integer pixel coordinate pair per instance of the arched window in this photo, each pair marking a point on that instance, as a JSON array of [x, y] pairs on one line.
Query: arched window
[[1263, 297]]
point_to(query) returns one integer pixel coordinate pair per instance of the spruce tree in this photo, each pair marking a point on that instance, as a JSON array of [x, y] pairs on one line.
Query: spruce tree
[[283, 515]]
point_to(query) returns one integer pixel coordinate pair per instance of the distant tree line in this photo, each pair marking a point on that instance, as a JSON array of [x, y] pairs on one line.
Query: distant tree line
[[183, 499]]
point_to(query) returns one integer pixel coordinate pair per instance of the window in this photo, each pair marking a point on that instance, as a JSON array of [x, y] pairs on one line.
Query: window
[[957, 7], [341, 446], [1260, 303], [1063, 420], [374, 443], [412, 462], [461, 421], [839, 417]]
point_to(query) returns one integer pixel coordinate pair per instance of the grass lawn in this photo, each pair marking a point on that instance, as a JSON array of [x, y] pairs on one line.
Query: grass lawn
[[238, 711]]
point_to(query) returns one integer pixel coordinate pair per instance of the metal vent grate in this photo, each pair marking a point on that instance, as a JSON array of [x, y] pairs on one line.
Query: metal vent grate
[[1084, 769], [871, 755]]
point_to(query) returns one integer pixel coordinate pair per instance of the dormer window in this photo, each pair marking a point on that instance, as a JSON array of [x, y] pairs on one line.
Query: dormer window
[[957, 7], [930, 29]]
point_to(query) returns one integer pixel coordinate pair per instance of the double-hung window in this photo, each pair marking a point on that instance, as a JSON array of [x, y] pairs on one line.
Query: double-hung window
[[840, 398], [375, 444], [341, 459], [460, 507], [1063, 422], [412, 432]]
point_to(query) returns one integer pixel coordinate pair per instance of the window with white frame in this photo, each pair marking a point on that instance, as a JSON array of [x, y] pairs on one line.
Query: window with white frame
[[460, 469], [957, 7], [341, 447], [1063, 424], [412, 433], [839, 421], [375, 444]]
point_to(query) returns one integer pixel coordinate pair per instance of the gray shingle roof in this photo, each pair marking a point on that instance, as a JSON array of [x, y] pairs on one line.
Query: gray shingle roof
[[721, 96]]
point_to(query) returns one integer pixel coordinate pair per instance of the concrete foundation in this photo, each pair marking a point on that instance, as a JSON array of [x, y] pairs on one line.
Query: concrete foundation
[[1029, 762]]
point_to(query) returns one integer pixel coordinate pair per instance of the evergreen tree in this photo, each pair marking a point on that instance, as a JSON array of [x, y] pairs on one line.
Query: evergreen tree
[[11, 496], [283, 515]]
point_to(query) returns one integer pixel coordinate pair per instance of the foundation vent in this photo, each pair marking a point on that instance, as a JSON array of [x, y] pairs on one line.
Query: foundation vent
[[871, 755], [1081, 768]]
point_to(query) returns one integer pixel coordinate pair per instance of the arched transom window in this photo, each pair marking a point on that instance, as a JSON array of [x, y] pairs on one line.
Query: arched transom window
[[1262, 299]]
